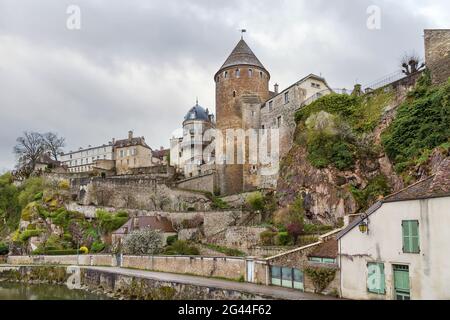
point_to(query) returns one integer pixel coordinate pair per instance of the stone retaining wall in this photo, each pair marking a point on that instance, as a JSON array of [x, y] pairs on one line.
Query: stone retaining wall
[[220, 267]]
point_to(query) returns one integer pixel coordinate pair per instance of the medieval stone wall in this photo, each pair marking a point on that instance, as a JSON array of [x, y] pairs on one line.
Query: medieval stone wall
[[135, 192], [230, 91], [206, 183], [437, 54]]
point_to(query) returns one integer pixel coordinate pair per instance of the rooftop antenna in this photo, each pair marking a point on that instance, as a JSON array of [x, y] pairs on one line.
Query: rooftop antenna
[[242, 33], [196, 101]]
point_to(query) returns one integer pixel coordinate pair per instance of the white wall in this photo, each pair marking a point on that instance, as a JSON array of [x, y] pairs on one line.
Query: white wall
[[74, 159], [429, 270]]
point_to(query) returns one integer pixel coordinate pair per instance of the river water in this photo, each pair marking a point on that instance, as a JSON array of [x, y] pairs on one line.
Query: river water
[[21, 291]]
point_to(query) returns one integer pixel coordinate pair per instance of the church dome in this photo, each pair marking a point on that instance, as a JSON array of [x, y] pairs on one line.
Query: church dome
[[197, 112]]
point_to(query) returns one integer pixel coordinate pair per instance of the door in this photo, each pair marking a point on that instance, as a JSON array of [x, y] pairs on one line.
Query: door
[[401, 282], [298, 279], [250, 270]]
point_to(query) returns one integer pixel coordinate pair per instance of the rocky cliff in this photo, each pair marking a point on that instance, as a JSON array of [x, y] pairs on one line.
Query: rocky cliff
[[339, 163]]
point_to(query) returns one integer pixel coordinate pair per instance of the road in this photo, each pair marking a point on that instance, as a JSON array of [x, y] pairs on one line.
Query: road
[[268, 291]]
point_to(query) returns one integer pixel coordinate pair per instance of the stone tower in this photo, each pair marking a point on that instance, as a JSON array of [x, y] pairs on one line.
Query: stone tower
[[242, 78]]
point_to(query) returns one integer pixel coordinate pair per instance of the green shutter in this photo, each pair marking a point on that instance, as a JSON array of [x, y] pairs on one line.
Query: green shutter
[[410, 233]]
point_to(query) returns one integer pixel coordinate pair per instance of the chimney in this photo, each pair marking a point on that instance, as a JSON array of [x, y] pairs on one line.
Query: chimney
[[275, 87], [130, 135], [113, 141]]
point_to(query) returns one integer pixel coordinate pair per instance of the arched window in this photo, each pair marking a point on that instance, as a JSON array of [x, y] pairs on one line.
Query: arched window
[[250, 73], [225, 74], [238, 73], [260, 74], [234, 93]]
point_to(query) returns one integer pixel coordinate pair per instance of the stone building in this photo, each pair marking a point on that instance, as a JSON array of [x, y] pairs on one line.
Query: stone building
[[159, 223], [132, 153], [187, 152], [84, 160], [244, 101], [437, 54]]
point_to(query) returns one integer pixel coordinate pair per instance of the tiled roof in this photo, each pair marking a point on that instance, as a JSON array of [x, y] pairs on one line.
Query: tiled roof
[[154, 222], [437, 185], [131, 142], [328, 249], [160, 154], [242, 55]]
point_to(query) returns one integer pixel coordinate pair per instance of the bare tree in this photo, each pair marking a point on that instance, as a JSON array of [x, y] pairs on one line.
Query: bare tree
[[28, 149], [53, 144], [411, 63]]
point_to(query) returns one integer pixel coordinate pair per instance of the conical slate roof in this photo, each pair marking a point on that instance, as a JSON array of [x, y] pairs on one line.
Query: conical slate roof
[[242, 55]]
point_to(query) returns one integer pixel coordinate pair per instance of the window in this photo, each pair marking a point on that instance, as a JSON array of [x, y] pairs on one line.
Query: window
[[322, 260], [286, 97], [279, 121], [234, 94], [253, 113], [260, 74], [262, 127], [375, 278], [270, 105], [410, 233], [250, 73], [401, 282], [225, 74], [121, 153], [237, 73]]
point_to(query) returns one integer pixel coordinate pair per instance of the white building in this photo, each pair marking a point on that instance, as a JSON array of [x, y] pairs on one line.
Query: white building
[[400, 248], [84, 160], [187, 152]]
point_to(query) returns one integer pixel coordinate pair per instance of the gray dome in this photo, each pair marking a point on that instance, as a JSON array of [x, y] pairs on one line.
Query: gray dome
[[197, 112]]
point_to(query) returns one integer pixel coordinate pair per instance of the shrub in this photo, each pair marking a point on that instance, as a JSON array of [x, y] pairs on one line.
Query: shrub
[[267, 237], [38, 196], [27, 234], [10, 209], [4, 249], [97, 246], [142, 242], [377, 186], [295, 229], [421, 123], [30, 188], [181, 247], [231, 252], [56, 252], [283, 239], [64, 185], [321, 277], [171, 239], [218, 203], [109, 222], [84, 250], [256, 201]]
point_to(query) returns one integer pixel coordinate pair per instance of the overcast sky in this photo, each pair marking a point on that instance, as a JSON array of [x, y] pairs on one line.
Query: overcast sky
[[141, 64]]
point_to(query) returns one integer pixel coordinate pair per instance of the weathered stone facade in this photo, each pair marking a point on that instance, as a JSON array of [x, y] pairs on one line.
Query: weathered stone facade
[[437, 54], [241, 75], [137, 192]]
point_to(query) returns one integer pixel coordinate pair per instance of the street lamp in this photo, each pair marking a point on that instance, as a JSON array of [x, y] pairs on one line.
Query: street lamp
[[363, 227]]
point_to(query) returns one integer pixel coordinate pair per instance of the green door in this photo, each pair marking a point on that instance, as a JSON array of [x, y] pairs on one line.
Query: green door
[[401, 282]]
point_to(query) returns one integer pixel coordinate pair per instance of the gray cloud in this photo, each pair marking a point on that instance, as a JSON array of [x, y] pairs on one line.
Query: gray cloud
[[140, 65]]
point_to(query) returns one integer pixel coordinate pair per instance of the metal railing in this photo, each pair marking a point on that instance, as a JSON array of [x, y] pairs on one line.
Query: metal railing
[[385, 80], [322, 93]]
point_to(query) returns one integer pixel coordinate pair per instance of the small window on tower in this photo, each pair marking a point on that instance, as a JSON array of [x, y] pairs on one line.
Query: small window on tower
[[260, 74], [238, 73], [225, 74], [250, 73], [234, 94]]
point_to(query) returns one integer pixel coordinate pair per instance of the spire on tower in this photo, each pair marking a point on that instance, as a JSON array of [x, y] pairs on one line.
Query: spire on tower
[[242, 33]]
